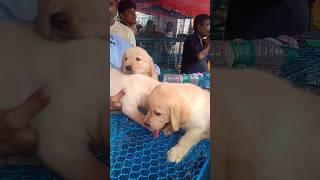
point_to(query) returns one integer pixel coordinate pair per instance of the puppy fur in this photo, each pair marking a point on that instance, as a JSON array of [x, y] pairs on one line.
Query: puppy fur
[[72, 19], [263, 128], [76, 76], [137, 87], [172, 106], [137, 61]]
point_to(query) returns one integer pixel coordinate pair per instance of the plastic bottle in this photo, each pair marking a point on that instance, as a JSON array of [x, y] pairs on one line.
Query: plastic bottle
[[258, 52], [180, 78]]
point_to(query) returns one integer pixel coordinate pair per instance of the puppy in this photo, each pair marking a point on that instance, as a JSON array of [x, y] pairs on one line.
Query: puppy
[[137, 61], [72, 19], [137, 87], [172, 106], [75, 74], [263, 128]]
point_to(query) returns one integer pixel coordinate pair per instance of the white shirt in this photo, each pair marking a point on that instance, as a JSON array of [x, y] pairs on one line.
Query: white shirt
[[124, 32]]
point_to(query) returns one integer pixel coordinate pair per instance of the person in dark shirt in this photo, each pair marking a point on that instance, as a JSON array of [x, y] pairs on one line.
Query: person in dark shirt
[[196, 47], [252, 19]]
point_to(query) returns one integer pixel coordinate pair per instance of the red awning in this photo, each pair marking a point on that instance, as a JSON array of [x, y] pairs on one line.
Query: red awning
[[188, 7], [185, 7]]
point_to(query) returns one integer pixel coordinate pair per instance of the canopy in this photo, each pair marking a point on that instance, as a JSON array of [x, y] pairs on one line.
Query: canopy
[[188, 8]]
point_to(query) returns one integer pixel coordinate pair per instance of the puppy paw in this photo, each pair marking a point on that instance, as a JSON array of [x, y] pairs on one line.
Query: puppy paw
[[167, 132], [176, 154]]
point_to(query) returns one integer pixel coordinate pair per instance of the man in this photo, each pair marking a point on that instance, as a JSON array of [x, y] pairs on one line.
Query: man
[[196, 48], [251, 19], [127, 12], [117, 44]]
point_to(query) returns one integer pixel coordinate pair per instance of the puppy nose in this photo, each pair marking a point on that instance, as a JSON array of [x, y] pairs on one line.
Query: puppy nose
[[60, 21], [128, 68], [147, 124]]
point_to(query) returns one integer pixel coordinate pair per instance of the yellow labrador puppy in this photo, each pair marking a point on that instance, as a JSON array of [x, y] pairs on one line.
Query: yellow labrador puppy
[[172, 106], [72, 19], [137, 87], [263, 128], [76, 76], [137, 61]]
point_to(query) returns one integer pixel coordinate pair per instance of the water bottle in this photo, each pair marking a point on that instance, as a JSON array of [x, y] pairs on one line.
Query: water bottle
[[180, 78], [262, 53]]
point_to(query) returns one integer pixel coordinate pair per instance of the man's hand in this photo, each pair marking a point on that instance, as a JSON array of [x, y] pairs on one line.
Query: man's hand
[[115, 101], [16, 134], [206, 49], [206, 42]]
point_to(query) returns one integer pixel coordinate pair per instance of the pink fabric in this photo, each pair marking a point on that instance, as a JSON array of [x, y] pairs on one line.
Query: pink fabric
[[188, 7], [185, 7]]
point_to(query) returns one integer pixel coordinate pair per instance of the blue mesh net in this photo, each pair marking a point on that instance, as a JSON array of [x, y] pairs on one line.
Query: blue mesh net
[[135, 154], [26, 172], [305, 72]]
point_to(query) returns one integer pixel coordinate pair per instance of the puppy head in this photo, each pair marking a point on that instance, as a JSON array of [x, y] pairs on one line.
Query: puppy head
[[137, 61], [72, 19], [166, 107]]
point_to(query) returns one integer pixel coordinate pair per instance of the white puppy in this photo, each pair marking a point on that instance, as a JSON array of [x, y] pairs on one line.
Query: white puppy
[[72, 19], [263, 128], [76, 76], [137, 87], [137, 61], [172, 106]]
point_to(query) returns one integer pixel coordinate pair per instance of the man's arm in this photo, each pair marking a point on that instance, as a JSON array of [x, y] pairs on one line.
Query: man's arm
[[16, 134]]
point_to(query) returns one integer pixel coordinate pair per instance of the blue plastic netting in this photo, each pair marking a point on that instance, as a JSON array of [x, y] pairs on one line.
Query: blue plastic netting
[[305, 73], [135, 154]]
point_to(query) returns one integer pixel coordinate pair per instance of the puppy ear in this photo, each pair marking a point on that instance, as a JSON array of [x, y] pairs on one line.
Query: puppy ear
[[153, 72], [178, 114], [175, 117]]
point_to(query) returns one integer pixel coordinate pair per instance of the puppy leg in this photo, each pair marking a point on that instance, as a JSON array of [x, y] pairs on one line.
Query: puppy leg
[[168, 130], [190, 138], [133, 113], [72, 161]]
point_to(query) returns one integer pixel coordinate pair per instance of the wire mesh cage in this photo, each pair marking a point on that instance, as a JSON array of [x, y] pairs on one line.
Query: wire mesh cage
[[219, 12], [135, 154], [303, 73], [163, 36]]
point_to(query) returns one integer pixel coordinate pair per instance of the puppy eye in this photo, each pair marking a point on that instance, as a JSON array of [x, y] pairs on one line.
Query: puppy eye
[[125, 58], [138, 59], [157, 113]]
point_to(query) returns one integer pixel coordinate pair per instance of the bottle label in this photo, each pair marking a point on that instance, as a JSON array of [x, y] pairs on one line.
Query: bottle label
[[244, 53], [185, 78]]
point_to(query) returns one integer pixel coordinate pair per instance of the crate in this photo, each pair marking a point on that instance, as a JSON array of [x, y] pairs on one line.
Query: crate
[[167, 61], [219, 12]]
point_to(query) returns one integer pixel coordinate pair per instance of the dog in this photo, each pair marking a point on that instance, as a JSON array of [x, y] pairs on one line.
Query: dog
[[263, 128], [136, 87], [136, 60], [76, 75], [59, 20], [172, 106]]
